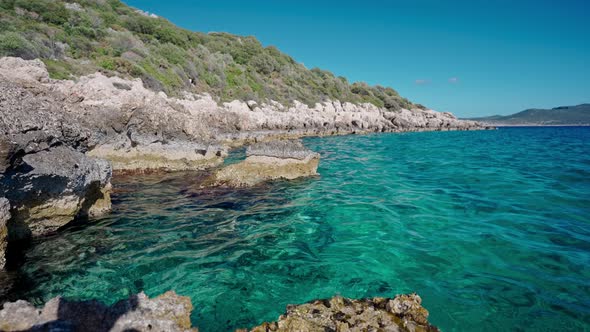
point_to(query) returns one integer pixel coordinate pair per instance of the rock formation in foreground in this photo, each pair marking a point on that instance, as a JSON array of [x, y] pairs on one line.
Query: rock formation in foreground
[[44, 172], [400, 314], [266, 161], [171, 312], [167, 312]]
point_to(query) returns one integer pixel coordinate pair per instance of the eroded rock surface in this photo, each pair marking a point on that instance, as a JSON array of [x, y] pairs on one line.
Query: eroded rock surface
[[400, 314], [49, 188], [167, 312], [4, 217], [171, 312], [44, 172], [268, 161]]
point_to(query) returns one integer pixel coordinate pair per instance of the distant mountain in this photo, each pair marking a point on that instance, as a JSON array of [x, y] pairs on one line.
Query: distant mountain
[[563, 115]]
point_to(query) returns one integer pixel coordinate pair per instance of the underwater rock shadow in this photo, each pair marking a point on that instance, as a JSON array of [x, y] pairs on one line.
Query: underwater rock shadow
[[90, 316]]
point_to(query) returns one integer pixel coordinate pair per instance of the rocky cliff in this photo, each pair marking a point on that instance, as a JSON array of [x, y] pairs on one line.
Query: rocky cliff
[[44, 171]]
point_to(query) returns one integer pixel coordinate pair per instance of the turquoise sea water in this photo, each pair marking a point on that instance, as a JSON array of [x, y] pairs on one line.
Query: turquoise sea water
[[491, 228]]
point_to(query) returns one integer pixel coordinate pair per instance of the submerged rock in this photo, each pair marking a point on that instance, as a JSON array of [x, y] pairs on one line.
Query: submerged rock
[[402, 313], [268, 161], [167, 312]]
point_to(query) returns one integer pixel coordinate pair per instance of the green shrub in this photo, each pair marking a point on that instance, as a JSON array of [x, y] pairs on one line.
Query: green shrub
[[172, 53], [171, 35], [264, 64], [108, 63], [50, 11], [13, 44], [57, 69], [141, 24], [7, 4]]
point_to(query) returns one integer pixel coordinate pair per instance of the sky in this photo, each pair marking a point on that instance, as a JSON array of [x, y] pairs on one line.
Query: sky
[[472, 58]]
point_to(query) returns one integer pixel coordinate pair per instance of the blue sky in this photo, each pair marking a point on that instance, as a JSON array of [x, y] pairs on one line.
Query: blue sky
[[472, 58]]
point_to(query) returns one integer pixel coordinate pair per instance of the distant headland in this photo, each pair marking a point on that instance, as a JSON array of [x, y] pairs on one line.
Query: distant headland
[[559, 116]]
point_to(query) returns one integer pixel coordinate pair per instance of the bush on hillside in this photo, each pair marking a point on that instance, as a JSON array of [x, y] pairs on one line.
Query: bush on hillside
[[13, 44], [109, 36]]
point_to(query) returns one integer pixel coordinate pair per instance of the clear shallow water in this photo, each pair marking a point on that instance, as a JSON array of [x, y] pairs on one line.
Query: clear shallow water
[[491, 228]]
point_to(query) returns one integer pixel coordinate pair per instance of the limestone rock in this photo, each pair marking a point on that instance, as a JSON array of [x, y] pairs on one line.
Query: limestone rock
[[268, 161], [286, 149], [4, 217], [110, 111], [168, 156], [403, 313], [167, 312], [49, 188]]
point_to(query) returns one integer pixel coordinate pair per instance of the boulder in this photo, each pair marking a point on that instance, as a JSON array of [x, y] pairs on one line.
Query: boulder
[[167, 312], [400, 314], [268, 161], [49, 188]]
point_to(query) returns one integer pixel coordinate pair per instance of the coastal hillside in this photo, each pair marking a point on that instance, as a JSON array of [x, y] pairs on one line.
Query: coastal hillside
[[86, 36], [563, 115]]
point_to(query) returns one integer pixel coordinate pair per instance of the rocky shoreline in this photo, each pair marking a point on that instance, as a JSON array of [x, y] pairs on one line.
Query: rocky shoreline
[[61, 141], [171, 312]]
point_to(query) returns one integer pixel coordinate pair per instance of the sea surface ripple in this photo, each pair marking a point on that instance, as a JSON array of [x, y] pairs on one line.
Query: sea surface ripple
[[491, 228]]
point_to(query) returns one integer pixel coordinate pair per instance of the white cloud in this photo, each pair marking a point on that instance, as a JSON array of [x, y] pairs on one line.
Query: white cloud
[[453, 80], [422, 82]]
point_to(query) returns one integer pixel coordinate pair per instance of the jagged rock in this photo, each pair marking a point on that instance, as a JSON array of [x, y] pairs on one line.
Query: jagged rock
[[268, 161], [44, 172], [167, 312], [404, 313], [49, 188], [4, 217], [171, 312]]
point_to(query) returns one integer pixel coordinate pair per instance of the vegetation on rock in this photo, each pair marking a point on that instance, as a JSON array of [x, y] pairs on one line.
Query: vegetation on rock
[[77, 38]]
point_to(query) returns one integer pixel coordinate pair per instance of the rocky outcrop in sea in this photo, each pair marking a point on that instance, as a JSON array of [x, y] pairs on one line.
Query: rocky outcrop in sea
[[267, 161], [403, 313]]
